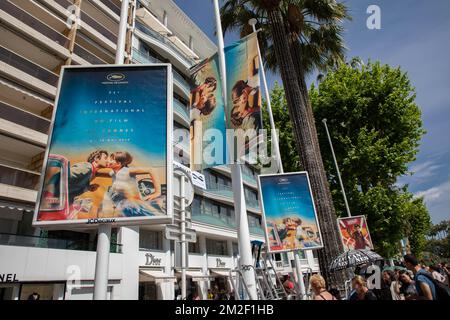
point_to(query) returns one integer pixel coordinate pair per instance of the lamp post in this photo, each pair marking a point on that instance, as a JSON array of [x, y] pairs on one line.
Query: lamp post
[[337, 168]]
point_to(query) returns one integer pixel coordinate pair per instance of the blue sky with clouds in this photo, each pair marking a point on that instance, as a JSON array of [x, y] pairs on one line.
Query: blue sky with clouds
[[414, 35]]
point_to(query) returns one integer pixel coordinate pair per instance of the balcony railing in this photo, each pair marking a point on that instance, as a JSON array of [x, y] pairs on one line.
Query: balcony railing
[[182, 83], [86, 55], [24, 118], [8, 239], [27, 66], [144, 57], [204, 216], [164, 40], [111, 5], [181, 109], [97, 26], [34, 23], [227, 191], [18, 178]]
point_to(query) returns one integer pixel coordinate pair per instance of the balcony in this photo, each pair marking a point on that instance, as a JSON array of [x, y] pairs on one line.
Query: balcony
[[178, 79], [206, 217], [181, 83], [111, 5], [165, 44], [28, 67], [181, 110], [86, 55], [98, 27], [24, 118], [226, 191], [21, 178], [8, 239], [34, 23]]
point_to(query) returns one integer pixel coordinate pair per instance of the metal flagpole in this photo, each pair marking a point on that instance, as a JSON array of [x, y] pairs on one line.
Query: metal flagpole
[[275, 143], [337, 168], [240, 208], [183, 236], [104, 230]]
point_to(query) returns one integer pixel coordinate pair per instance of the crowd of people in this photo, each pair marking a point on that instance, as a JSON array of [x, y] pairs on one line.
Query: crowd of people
[[409, 280]]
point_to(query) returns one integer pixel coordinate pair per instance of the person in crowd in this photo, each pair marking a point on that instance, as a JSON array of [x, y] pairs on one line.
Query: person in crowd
[[318, 287], [335, 292], [288, 285], [424, 285], [437, 275], [408, 287], [232, 295], [390, 289], [210, 295], [362, 292]]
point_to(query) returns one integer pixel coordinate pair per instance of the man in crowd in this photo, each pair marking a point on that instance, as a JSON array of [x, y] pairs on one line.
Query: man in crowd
[[424, 285]]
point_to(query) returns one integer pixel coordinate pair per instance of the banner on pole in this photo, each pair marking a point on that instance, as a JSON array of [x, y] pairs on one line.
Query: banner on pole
[[243, 110], [289, 212], [207, 128], [108, 152], [355, 233]]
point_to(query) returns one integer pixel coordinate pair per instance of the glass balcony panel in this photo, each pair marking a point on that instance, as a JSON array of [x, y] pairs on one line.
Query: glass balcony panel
[[34, 23], [23, 118], [111, 5], [18, 178], [27, 66], [86, 55], [97, 26]]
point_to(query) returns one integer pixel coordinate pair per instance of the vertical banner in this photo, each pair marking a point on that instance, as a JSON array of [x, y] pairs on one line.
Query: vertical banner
[[289, 213], [108, 152], [355, 233], [207, 128], [243, 112]]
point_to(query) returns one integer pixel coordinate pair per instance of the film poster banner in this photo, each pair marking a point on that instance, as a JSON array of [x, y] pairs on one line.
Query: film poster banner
[[243, 110], [207, 115], [355, 233], [107, 154], [289, 212]]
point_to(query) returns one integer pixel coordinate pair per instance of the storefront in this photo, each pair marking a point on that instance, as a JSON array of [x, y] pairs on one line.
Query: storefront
[[32, 290], [153, 283]]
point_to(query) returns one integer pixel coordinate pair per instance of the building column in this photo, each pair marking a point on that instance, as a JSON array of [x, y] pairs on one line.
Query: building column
[[167, 289], [129, 238], [203, 285]]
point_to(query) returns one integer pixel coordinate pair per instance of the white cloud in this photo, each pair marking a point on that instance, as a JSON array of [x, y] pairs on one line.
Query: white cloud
[[435, 194]]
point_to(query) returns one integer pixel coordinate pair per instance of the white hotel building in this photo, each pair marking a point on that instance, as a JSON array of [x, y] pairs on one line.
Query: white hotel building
[[35, 42]]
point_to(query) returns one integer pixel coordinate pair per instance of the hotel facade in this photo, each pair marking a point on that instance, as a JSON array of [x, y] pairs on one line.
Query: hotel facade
[[38, 38]]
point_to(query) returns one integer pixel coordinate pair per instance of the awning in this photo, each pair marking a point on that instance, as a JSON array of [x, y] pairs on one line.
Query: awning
[[196, 275], [221, 273], [149, 19], [157, 276]]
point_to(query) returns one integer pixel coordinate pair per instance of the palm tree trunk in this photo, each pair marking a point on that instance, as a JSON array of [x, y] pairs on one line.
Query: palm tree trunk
[[308, 146]]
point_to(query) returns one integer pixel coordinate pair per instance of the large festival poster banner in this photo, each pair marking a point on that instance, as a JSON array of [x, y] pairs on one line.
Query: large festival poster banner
[[355, 233], [207, 115], [108, 152], [243, 110], [289, 212]]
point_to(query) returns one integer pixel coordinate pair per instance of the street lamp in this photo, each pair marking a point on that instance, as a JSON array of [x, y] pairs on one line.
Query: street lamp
[[337, 168]]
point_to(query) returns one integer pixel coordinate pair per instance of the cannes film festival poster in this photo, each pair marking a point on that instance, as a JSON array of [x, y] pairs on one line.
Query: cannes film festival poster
[[107, 155], [289, 212]]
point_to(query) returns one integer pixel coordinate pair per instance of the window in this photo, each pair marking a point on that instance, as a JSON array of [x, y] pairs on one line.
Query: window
[[150, 240], [217, 247], [194, 247], [235, 249]]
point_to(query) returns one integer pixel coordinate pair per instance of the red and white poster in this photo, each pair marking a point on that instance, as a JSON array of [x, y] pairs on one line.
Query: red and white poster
[[355, 233]]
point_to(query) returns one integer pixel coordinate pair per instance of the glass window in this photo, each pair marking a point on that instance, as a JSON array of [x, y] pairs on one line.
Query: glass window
[[235, 249], [217, 247], [151, 240], [194, 247]]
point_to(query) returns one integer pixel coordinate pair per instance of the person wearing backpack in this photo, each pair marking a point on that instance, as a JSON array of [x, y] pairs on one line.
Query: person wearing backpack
[[427, 287]]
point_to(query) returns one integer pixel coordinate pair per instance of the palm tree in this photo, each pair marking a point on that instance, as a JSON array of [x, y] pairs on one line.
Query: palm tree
[[296, 38]]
